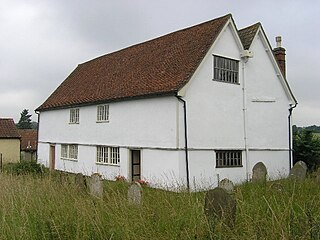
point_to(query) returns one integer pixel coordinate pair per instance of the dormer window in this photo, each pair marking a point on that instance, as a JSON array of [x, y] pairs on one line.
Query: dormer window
[[225, 69]]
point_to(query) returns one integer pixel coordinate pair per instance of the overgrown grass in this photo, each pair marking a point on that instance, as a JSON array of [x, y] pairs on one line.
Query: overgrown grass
[[53, 207]]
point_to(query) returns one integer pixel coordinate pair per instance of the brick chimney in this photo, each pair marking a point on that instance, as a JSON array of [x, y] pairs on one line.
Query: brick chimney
[[280, 54]]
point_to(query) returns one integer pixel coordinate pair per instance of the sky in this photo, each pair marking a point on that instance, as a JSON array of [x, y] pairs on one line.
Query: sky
[[42, 41]]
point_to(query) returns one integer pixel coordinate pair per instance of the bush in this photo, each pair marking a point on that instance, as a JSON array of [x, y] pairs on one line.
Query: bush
[[23, 167]]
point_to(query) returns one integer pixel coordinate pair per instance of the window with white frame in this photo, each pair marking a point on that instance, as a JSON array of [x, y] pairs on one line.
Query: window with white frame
[[225, 69], [69, 151], [228, 158], [103, 113], [108, 155], [74, 115]]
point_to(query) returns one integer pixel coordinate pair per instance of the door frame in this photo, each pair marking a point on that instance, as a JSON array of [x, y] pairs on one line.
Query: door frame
[[131, 163], [52, 157]]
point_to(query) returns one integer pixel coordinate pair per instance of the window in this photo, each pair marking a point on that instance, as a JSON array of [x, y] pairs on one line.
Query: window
[[228, 158], [103, 113], [225, 69], [74, 115], [69, 151], [108, 155]]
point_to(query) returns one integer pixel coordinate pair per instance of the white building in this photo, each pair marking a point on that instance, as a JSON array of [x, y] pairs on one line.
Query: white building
[[188, 108]]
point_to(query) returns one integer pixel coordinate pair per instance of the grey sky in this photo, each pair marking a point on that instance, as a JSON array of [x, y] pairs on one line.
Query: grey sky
[[42, 41]]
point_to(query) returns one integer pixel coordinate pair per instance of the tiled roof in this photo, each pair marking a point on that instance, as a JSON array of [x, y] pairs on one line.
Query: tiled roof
[[156, 67], [8, 129], [28, 139], [247, 34]]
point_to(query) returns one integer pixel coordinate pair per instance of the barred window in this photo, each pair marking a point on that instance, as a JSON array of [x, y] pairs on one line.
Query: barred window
[[225, 69], [74, 115], [103, 113], [69, 151], [108, 155], [228, 158]]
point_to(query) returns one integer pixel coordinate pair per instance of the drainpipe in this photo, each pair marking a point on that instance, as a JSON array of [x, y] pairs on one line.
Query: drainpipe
[[38, 113], [245, 57], [292, 106], [185, 138]]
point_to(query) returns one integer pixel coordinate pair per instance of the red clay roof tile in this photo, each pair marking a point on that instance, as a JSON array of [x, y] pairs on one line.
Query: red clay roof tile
[[8, 129], [156, 67], [28, 139]]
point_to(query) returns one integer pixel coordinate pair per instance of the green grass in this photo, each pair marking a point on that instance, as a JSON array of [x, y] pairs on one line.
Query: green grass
[[45, 207]]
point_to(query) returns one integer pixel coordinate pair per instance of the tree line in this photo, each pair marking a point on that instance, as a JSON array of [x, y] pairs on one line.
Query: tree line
[[306, 146]]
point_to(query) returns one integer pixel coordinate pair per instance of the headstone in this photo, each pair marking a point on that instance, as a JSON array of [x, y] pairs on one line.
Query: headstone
[[259, 173], [278, 187], [227, 185], [80, 181], [95, 185], [220, 206], [299, 171], [135, 194]]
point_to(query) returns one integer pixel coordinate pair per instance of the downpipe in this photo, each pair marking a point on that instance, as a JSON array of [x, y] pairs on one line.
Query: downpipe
[[292, 106]]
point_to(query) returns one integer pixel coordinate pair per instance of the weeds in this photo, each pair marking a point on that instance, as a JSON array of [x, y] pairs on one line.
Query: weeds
[[53, 207]]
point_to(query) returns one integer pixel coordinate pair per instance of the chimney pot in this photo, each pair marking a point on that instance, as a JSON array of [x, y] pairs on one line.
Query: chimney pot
[[278, 41]]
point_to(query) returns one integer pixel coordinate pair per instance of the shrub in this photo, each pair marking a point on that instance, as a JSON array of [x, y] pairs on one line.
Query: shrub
[[23, 167]]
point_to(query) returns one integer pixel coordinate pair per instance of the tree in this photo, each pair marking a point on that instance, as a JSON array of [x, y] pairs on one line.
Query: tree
[[306, 147], [25, 120]]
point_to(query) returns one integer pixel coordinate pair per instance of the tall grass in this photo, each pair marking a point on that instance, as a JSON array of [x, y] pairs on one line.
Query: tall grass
[[46, 207]]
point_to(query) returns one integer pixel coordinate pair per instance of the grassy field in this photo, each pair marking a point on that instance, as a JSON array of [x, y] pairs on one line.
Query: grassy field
[[44, 207]]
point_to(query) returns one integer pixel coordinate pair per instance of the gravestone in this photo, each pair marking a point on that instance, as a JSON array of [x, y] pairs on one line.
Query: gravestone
[[135, 194], [299, 171], [80, 181], [278, 187], [227, 185], [96, 185], [259, 173], [220, 206]]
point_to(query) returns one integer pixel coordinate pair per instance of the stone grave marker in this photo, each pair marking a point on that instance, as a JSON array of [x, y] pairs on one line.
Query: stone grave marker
[[227, 185], [96, 185], [80, 181], [259, 173], [135, 194], [220, 206], [299, 171]]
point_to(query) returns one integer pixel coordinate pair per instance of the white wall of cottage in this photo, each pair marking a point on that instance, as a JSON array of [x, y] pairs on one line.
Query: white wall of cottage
[[156, 126]]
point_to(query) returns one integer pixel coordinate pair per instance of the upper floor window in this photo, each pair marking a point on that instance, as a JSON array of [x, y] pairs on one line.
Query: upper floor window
[[108, 155], [69, 151], [103, 113], [74, 115], [225, 69], [228, 158]]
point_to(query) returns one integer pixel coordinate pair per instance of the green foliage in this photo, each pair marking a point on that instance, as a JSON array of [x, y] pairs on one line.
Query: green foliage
[[25, 120], [52, 208], [306, 147], [23, 167]]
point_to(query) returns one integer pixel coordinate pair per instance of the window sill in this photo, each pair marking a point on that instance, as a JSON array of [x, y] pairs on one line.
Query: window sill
[[108, 164], [73, 123], [106, 121], [240, 166], [70, 159], [217, 80]]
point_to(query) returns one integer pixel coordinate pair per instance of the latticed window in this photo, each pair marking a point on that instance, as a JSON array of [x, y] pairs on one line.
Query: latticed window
[[103, 113], [74, 115], [69, 151], [229, 158], [225, 69], [108, 155]]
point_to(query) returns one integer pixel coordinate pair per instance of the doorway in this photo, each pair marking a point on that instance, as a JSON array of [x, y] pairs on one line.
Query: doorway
[[135, 165], [52, 157]]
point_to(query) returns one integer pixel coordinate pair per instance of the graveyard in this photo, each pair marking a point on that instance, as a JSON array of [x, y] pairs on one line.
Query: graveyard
[[55, 205]]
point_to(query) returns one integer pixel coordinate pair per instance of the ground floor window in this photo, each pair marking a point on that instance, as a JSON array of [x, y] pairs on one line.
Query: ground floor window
[[228, 158], [69, 151], [108, 155]]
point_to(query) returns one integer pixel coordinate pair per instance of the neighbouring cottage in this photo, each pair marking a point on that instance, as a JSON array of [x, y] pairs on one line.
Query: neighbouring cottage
[[28, 144], [9, 141], [186, 109]]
